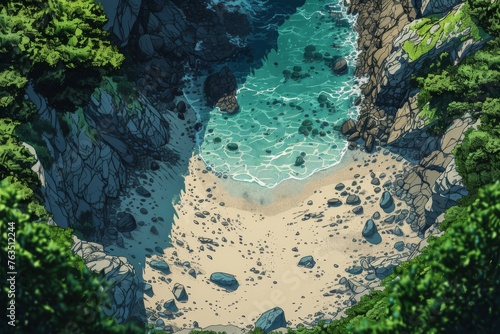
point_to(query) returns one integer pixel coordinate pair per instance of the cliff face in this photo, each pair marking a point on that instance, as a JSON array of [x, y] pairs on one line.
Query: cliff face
[[397, 39]]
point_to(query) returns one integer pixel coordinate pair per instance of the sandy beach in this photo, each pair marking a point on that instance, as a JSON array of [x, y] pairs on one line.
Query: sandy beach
[[259, 235]]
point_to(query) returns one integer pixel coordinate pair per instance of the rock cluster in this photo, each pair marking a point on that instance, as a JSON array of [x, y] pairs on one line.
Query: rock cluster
[[119, 271]]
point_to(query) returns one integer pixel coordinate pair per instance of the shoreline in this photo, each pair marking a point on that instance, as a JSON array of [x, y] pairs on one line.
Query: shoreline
[[261, 237]]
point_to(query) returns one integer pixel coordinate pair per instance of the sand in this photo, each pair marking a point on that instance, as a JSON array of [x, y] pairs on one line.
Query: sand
[[255, 233]]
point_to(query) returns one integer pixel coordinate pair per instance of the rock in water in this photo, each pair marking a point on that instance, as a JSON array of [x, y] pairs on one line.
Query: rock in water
[[271, 320], [307, 262], [299, 161], [232, 146], [160, 266], [386, 200], [220, 88], [180, 292], [348, 128], [370, 229], [224, 279], [340, 67]]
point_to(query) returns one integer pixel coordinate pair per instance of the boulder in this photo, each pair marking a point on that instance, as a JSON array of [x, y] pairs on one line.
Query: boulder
[[353, 200], [370, 229], [224, 279], [400, 246], [340, 67], [307, 262], [271, 320], [180, 293], [126, 223], [348, 128], [160, 266], [143, 192], [232, 146], [386, 200], [334, 202]]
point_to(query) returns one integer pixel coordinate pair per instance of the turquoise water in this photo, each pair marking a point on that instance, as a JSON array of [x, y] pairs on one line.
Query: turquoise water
[[273, 108]]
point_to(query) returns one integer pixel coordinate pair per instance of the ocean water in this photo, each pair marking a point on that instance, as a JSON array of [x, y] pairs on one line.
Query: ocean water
[[284, 129]]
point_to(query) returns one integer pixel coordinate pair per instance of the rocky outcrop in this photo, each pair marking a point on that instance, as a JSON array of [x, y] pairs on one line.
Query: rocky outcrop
[[132, 130], [85, 173], [429, 7], [220, 90], [118, 271], [122, 15]]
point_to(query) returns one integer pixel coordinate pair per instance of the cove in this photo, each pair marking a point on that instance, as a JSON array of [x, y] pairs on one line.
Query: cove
[[292, 107]]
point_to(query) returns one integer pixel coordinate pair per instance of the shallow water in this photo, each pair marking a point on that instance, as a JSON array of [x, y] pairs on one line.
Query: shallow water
[[273, 108]]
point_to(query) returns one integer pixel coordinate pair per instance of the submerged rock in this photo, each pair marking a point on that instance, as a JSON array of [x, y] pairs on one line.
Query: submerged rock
[[232, 146]]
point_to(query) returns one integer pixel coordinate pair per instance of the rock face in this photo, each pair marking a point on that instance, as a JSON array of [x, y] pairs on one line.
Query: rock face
[[220, 90], [271, 320], [118, 270], [224, 280]]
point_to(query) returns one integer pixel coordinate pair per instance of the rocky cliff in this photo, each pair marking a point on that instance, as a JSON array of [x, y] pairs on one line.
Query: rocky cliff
[[398, 39]]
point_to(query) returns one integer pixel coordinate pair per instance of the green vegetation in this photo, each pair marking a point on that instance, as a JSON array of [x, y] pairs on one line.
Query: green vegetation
[[54, 293], [486, 13], [433, 29], [59, 45]]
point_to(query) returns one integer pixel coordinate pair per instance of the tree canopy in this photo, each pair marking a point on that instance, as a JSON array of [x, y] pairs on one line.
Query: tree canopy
[[59, 45]]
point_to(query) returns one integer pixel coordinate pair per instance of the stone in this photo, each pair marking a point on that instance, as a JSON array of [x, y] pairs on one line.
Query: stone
[[357, 210], [334, 202], [348, 128], [224, 280], [339, 186], [220, 85], [299, 161], [369, 229], [398, 232], [400, 246], [232, 146], [386, 200], [160, 266], [356, 270], [192, 273], [353, 200], [126, 223], [340, 67], [180, 293], [170, 305], [307, 262], [154, 165], [271, 320], [143, 192]]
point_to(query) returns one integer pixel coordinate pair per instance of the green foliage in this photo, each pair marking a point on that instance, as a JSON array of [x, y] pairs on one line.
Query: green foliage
[[487, 14], [32, 133], [60, 45], [51, 295]]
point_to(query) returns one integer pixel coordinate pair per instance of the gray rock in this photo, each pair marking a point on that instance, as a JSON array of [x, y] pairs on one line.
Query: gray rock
[[397, 231], [126, 223], [369, 229], [142, 191], [340, 67], [307, 262], [400, 246], [180, 293], [356, 270], [353, 200], [192, 272], [271, 320], [160, 266], [224, 280], [386, 200], [357, 210], [334, 202]]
